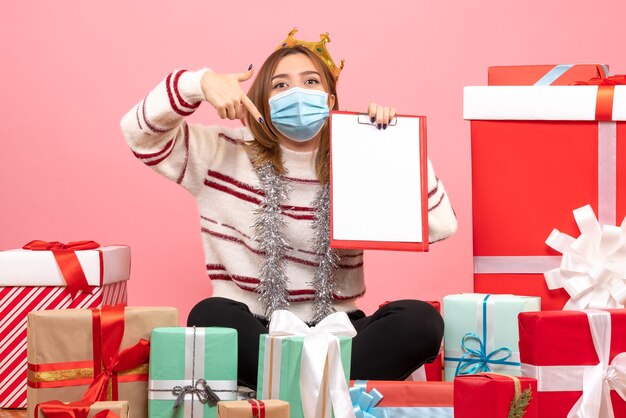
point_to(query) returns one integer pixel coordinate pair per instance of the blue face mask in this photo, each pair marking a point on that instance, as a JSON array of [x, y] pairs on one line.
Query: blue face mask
[[299, 113]]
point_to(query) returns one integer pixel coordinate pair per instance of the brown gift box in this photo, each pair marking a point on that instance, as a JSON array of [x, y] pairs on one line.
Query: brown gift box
[[119, 408], [244, 409], [60, 355]]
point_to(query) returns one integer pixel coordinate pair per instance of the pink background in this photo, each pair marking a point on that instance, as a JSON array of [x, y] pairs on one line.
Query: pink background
[[71, 69]]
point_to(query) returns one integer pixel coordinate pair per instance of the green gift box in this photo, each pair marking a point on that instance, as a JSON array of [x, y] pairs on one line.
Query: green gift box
[[189, 369], [280, 358], [481, 333]]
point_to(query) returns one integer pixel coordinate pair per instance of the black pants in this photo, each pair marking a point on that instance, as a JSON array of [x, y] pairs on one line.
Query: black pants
[[391, 344]]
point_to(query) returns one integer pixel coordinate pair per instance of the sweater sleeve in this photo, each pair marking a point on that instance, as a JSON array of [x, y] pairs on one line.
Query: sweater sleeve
[[159, 136], [442, 221]]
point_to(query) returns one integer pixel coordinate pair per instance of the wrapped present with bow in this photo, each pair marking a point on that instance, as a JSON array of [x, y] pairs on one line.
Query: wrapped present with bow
[[51, 275], [92, 355], [253, 408], [492, 395], [391, 399], [106, 409], [544, 75], [481, 334], [307, 367], [191, 370], [538, 152], [578, 359]]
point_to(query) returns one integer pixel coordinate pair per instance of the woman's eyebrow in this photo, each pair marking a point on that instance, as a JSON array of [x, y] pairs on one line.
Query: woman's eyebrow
[[302, 73]]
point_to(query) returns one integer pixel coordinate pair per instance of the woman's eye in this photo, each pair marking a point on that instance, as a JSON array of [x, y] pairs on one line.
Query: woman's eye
[[312, 81], [279, 85]]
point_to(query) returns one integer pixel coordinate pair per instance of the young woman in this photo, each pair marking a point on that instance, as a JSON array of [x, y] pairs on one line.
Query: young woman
[[262, 195]]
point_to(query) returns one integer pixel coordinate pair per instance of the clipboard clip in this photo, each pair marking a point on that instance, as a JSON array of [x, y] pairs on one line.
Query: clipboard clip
[[364, 119]]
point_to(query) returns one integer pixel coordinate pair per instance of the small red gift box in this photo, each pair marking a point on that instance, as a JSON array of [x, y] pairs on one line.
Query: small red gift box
[[563, 349], [538, 153], [410, 394], [490, 395], [553, 75]]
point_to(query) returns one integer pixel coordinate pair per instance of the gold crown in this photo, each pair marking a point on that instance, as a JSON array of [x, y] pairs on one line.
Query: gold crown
[[318, 48]]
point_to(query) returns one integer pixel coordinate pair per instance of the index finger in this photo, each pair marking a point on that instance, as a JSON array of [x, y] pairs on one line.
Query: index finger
[[245, 100]]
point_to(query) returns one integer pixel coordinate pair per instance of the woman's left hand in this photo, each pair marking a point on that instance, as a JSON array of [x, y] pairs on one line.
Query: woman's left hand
[[381, 116]]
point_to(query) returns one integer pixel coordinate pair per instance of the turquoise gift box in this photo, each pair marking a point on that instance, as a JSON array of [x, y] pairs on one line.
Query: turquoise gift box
[[279, 369], [188, 368], [481, 333]]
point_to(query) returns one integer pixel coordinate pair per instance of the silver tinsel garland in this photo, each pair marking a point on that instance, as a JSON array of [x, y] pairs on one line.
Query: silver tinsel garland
[[269, 225], [327, 258], [269, 233]]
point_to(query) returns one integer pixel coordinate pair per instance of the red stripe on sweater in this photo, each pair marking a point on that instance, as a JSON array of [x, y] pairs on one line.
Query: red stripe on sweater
[[251, 199], [259, 252], [305, 294], [438, 203], [235, 182], [170, 96], [215, 267], [225, 226], [184, 169], [232, 192], [229, 139], [252, 249], [137, 115], [154, 154], [434, 190], [148, 124], [158, 160], [303, 181], [176, 91], [297, 208], [232, 239]]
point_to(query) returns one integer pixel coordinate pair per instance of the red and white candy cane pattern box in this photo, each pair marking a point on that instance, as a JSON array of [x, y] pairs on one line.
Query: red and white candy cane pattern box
[[51, 276]]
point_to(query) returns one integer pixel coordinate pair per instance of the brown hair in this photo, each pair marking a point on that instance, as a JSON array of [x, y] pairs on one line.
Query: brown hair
[[266, 144]]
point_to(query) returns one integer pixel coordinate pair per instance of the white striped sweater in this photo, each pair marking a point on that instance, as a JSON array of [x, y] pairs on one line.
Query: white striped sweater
[[212, 163]]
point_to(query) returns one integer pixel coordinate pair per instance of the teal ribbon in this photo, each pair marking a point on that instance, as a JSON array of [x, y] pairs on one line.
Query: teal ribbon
[[364, 402], [478, 360]]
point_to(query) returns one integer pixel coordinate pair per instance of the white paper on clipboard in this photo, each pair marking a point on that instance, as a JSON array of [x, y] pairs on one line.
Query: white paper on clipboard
[[376, 180]]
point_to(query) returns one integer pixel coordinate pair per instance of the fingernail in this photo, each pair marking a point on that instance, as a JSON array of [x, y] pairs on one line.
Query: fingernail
[[384, 126], [261, 120], [250, 67], [379, 126], [373, 119]]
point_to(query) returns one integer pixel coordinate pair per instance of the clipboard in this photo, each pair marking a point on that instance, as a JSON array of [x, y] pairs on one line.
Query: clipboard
[[378, 183]]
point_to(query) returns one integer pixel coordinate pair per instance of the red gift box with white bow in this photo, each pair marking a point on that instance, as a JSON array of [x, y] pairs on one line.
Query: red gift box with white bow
[[578, 359]]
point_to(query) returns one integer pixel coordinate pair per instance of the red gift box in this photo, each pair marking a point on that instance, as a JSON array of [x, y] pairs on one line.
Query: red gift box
[[35, 280], [489, 395], [557, 348], [411, 394], [537, 154], [553, 75]]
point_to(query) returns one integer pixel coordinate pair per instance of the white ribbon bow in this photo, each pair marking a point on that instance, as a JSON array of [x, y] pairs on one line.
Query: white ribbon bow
[[598, 381], [593, 266], [320, 357]]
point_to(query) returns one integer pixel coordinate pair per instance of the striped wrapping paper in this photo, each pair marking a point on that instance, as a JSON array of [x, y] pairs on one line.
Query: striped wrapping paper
[[17, 301]]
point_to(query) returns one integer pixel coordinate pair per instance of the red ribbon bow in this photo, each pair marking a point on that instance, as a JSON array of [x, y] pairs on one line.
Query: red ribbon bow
[[58, 409], [613, 80], [65, 256], [108, 330], [606, 89]]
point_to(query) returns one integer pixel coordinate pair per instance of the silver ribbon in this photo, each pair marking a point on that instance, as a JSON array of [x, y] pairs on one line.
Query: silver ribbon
[[200, 389]]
